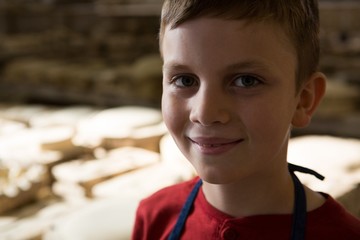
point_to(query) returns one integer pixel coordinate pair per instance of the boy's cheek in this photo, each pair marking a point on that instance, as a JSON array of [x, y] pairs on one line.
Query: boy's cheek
[[170, 113]]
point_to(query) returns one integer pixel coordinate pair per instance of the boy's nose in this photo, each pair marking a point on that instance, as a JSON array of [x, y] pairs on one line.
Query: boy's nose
[[209, 108]]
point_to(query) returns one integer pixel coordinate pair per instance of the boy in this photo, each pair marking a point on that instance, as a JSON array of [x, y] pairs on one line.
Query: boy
[[237, 76]]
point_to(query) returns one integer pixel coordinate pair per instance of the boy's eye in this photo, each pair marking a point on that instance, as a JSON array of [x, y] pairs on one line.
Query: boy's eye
[[184, 81], [246, 81]]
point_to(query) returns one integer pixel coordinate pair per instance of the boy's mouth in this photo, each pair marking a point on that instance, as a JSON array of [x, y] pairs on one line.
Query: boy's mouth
[[214, 145]]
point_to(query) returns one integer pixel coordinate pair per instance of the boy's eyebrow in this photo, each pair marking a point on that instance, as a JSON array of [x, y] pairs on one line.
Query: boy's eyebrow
[[250, 64], [175, 66]]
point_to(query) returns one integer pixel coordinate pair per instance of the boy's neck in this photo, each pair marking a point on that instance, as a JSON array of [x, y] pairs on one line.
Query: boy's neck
[[250, 197]]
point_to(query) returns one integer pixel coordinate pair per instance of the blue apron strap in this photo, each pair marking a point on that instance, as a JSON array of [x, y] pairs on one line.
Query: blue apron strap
[[176, 232], [296, 168], [298, 229]]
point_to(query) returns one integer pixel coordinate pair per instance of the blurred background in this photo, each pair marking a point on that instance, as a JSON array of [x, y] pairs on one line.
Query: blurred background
[[81, 133]]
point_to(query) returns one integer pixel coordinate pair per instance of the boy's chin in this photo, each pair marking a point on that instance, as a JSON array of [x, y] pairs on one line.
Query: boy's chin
[[218, 179]]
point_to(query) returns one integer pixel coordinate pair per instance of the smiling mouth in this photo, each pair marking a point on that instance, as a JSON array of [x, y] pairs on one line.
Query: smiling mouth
[[214, 146], [213, 142]]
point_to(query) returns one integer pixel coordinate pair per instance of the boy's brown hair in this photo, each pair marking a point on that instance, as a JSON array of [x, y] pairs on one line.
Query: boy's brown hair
[[299, 19]]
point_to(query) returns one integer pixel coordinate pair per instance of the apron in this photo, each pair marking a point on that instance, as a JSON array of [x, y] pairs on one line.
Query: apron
[[299, 214]]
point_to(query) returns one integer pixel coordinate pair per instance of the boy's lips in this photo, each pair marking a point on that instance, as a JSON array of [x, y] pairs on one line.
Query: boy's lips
[[214, 145]]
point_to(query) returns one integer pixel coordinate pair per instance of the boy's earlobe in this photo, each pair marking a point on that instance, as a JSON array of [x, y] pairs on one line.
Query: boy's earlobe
[[310, 96]]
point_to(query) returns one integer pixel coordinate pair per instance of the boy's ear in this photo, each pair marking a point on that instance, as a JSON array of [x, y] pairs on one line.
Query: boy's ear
[[309, 96]]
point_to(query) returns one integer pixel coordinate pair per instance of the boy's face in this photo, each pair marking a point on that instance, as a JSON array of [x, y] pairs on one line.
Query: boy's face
[[229, 96]]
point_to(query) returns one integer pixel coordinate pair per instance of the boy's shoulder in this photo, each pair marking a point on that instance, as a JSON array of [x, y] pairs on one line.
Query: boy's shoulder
[[333, 219], [157, 214], [168, 199]]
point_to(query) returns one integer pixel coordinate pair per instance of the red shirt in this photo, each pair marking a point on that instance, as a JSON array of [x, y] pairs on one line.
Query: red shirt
[[157, 215]]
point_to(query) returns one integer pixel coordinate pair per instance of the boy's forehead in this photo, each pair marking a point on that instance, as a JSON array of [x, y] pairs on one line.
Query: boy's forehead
[[208, 29], [227, 45], [211, 24]]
